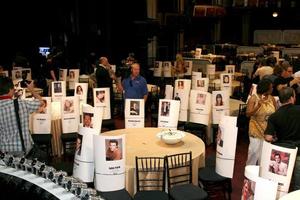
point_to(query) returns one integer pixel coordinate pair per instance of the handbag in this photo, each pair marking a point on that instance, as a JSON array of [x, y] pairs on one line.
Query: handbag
[[35, 152]]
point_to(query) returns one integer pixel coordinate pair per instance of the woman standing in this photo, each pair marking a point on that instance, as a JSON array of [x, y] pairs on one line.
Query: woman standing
[[259, 107]]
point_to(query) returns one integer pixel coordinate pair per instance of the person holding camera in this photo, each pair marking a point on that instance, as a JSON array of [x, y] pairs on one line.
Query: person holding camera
[[10, 136]]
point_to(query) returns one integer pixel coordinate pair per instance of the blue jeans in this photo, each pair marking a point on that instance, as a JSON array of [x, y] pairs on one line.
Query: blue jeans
[[296, 175]]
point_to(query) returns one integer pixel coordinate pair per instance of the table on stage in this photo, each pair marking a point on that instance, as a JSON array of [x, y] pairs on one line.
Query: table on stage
[[143, 142]]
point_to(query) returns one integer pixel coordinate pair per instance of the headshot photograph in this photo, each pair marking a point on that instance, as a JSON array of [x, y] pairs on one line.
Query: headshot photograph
[[57, 87], [113, 149], [200, 99], [18, 74], [78, 144], [220, 137], [134, 107], [248, 190], [88, 120], [68, 106], [180, 84], [177, 97], [200, 83], [72, 74], [43, 108], [100, 96], [79, 90], [226, 79], [219, 100], [279, 162], [165, 108]]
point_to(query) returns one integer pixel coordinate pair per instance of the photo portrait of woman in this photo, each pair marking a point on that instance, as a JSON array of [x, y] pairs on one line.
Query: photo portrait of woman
[[219, 100], [100, 96], [68, 106], [226, 79], [71, 75], [79, 90], [201, 99], [180, 85]]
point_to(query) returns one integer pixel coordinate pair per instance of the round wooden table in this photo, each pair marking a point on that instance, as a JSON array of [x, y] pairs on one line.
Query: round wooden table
[[143, 142], [291, 196]]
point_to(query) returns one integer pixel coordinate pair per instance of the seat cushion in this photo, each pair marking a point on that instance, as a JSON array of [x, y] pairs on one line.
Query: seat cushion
[[116, 195], [151, 195], [194, 126], [209, 174], [187, 192]]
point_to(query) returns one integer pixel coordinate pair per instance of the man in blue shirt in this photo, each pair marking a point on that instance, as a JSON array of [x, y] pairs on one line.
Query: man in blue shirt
[[135, 86]]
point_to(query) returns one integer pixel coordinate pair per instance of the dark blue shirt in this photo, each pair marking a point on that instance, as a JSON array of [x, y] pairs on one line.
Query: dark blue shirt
[[135, 88]]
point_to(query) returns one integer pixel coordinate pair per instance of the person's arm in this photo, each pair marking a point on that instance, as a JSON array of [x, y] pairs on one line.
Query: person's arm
[[30, 87], [289, 84], [274, 102], [270, 132], [53, 75], [145, 90], [251, 107]]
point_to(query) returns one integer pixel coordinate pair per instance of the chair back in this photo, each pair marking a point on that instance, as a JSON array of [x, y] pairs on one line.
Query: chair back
[[179, 169], [150, 173]]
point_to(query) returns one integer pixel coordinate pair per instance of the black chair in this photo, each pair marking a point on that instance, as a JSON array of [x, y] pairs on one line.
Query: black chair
[[43, 141], [179, 176], [69, 142], [108, 124], [150, 178], [217, 186], [116, 195], [196, 129], [243, 122]]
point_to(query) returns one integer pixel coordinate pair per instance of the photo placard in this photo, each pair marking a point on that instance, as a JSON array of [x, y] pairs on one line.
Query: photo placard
[[92, 117], [109, 156], [134, 113], [277, 164], [167, 69], [58, 90], [102, 99], [168, 113], [220, 105], [158, 66], [73, 78], [42, 118], [200, 107], [70, 114], [182, 93], [226, 146], [63, 74]]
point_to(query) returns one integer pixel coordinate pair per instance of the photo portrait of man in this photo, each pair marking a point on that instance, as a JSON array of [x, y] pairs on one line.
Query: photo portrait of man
[[78, 144], [165, 108], [57, 87], [113, 151], [279, 162], [134, 107], [177, 97], [87, 120]]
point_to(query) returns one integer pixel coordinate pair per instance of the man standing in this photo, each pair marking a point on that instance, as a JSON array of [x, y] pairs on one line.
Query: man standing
[[284, 128], [135, 86], [105, 76], [10, 140], [113, 152]]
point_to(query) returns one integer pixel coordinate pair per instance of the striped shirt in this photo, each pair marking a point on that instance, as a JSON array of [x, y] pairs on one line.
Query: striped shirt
[[9, 133]]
